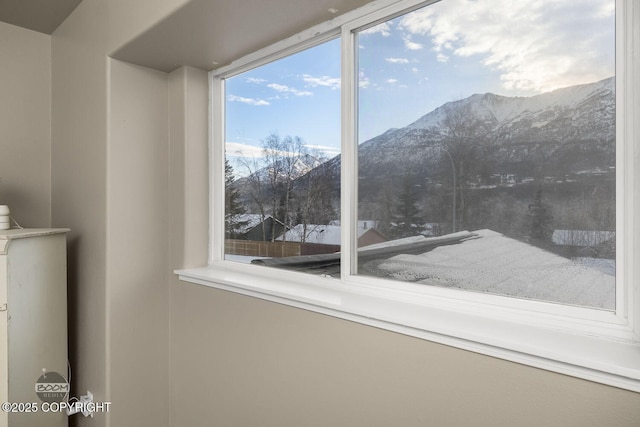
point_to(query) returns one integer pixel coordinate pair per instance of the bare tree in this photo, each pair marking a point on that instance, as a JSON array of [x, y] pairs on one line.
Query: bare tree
[[280, 184], [314, 196], [468, 140], [255, 188], [283, 157]]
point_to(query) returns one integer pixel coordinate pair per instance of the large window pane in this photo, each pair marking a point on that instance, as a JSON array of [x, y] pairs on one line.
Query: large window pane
[[487, 149], [282, 187]]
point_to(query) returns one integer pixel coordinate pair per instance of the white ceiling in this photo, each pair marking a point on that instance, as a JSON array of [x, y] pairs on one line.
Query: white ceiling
[[38, 15], [202, 34], [207, 31]]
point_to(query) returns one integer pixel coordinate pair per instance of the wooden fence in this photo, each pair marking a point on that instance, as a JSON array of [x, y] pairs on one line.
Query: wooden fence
[[275, 249], [261, 249]]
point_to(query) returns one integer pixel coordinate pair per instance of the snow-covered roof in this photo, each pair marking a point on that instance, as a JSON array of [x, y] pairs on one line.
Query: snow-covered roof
[[319, 234], [481, 261], [251, 221], [492, 263]]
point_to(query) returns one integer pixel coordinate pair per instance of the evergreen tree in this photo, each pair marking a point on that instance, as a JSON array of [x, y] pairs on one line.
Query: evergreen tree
[[232, 207], [540, 221], [406, 212]]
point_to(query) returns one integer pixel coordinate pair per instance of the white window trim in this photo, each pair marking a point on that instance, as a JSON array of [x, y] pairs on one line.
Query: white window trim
[[591, 344]]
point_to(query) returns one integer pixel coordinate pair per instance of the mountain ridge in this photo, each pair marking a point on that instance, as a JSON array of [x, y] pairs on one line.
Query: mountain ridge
[[566, 97], [487, 137], [562, 131]]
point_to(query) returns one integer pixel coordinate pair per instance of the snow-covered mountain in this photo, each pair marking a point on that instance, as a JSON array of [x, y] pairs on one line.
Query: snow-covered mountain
[[542, 138], [286, 167], [559, 132], [536, 111]]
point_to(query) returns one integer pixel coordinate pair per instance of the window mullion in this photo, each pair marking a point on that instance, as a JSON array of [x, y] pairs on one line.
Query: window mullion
[[216, 173], [629, 190], [349, 164]]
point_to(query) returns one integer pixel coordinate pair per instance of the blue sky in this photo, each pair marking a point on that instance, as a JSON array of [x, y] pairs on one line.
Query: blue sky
[[297, 96], [414, 63]]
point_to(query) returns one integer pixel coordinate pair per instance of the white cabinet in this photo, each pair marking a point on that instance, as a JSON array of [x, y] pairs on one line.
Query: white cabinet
[[33, 320]]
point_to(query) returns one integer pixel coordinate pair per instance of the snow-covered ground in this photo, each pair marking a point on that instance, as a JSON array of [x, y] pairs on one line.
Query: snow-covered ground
[[487, 261], [607, 266], [496, 264]]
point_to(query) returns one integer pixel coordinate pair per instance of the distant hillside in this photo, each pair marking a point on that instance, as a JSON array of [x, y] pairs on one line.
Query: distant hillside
[[565, 131], [499, 150]]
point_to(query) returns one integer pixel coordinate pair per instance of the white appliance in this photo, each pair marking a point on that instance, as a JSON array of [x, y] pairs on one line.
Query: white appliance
[[33, 322]]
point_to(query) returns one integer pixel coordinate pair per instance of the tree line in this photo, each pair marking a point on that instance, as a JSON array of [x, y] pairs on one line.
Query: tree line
[[288, 182], [278, 185]]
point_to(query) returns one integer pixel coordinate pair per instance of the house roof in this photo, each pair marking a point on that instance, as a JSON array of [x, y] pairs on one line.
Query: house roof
[[493, 263], [329, 264], [321, 234], [482, 261], [251, 221], [318, 234]]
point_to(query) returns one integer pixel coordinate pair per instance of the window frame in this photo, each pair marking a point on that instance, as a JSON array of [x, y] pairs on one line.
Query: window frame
[[587, 343]]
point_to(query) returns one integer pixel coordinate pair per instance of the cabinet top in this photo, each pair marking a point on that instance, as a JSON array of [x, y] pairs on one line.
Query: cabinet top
[[20, 233]]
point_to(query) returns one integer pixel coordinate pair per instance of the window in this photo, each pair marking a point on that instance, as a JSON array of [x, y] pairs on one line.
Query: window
[[468, 150], [282, 190], [487, 145]]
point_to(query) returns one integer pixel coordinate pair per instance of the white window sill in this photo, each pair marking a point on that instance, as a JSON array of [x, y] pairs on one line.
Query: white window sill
[[531, 338]]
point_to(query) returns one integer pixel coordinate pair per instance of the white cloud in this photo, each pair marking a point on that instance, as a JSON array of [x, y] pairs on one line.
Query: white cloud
[[279, 88], [392, 81], [325, 81], [535, 46], [238, 149], [607, 10], [383, 29], [287, 89], [441, 57], [250, 101], [363, 80], [397, 60], [275, 86], [411, 45], [246, 151], [244, 158], [327, 150]]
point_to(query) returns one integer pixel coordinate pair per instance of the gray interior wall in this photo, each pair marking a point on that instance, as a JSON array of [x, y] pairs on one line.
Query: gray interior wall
[[188, 99], [242, 361], [78, 185], [25, 125], [138, 311], [119, 338]]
